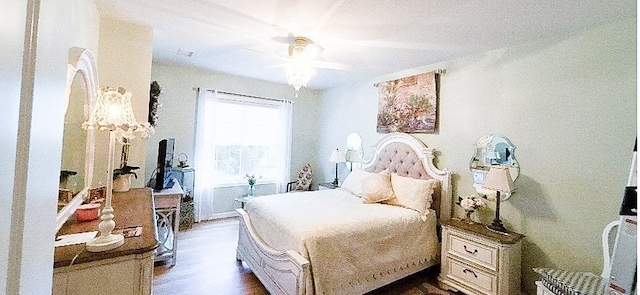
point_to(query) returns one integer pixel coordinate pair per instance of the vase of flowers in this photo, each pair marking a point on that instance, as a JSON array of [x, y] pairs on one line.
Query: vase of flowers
[[471, 204], [251, 179]]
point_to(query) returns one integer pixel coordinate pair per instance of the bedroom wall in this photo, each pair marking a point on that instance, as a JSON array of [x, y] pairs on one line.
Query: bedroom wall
[[124, 60], [32, 133], [569, 106], [177, 118]]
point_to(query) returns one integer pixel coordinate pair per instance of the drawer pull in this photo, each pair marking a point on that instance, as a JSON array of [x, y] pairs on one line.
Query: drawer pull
[[470, 252], [466, 270]]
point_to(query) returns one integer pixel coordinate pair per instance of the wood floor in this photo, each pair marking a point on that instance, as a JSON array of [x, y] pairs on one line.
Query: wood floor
[[206, 264]]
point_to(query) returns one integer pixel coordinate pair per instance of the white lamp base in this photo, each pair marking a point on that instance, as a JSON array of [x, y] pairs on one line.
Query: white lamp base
[[105, 243]]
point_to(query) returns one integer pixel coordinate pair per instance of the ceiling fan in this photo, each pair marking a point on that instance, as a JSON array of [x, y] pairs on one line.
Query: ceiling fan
[[302, 60]]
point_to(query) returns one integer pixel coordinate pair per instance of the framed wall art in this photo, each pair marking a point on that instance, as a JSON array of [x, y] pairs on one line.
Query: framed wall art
[[408, 104]]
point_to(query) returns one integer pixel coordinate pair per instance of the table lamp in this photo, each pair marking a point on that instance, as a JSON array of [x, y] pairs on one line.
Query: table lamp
[[337, 157], [499, 180], [113, 113], [352, 156]]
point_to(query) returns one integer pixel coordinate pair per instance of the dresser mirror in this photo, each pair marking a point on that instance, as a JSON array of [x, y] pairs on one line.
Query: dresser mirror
[[354, 151], [76, 167], [492, 149]]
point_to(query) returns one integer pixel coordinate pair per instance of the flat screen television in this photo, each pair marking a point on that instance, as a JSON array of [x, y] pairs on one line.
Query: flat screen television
[[164, 178]]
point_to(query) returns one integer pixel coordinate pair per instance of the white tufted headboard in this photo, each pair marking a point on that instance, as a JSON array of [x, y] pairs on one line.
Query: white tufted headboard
[[407, 156]]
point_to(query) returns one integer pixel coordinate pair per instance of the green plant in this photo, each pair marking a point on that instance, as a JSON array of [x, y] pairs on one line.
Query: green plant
[[124, 170]]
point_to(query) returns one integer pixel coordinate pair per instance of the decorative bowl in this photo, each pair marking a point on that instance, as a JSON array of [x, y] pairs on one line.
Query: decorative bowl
[[87, 212]]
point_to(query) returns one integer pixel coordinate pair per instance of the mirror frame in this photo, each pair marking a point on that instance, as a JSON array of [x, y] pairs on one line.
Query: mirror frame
[[479, 166], [81, 61]]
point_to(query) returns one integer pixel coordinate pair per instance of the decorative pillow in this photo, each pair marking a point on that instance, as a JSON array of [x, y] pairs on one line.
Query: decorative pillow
[[412, 193], [305, 179], [353, 182], [377, 188]]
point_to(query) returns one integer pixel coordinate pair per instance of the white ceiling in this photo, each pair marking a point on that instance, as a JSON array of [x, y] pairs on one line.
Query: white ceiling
[[374, 38]]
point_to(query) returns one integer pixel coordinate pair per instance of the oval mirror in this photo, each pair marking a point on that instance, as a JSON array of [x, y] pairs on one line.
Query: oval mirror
[[76, 168], [492, 149]]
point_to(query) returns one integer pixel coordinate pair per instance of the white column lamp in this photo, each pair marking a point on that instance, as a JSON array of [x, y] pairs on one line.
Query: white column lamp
[[113, 113], [337, 157], [499, 180]]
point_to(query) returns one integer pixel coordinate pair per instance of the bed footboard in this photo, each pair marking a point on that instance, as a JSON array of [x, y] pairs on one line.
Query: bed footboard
[[280, 272]]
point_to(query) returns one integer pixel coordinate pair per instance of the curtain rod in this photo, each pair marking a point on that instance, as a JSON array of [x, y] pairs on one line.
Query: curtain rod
[[437, 71], [245, 95]]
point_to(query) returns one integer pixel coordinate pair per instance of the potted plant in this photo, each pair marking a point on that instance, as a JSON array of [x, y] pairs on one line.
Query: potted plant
[[122, 178]]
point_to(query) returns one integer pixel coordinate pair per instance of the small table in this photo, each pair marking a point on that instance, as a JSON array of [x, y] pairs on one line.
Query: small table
[[327, 185], [167, 205], [244, 199]]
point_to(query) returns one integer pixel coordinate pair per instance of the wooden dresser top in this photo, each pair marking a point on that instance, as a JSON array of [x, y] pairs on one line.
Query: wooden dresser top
[[132, 208]]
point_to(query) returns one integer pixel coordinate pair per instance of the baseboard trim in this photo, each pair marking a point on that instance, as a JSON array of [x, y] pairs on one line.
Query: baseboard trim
[[222, 215]]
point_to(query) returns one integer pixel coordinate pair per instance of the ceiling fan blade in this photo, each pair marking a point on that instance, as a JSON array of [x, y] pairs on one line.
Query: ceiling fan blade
[[330, 65]]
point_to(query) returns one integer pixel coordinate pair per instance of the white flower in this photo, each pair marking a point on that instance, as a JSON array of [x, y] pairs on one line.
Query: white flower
[[467, 204]]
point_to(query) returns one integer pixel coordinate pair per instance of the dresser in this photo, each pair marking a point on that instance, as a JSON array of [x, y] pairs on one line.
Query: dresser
[[127, 269], [476, 260]]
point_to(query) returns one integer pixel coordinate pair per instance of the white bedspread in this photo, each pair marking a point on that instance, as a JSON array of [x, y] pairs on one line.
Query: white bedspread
[[347, 242]]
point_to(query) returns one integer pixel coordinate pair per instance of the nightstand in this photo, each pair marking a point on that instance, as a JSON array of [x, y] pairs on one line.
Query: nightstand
[[327, 185], [476, 260]]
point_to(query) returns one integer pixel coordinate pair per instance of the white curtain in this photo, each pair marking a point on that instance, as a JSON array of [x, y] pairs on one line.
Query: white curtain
[[204, 162], [287, 112]]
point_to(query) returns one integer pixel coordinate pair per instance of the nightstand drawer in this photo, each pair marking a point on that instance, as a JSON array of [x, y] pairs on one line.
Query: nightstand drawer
[[484, 282], [480, 254]]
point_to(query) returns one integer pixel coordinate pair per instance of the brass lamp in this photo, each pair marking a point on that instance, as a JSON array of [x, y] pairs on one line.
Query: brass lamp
[[113, 113], [499, 180], [337, 157]]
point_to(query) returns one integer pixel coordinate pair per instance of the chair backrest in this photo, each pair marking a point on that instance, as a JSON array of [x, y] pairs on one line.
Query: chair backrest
[[305, 178], [608, 240]]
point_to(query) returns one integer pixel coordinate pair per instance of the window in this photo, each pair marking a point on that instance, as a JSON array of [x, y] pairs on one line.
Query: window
[[239, 135], [248, 140]]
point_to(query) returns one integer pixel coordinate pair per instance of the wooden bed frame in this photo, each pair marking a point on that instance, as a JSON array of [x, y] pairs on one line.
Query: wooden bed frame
[[287, 272]]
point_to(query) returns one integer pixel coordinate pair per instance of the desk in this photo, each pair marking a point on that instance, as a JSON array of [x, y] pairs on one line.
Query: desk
[[167, 204], [127, 269]]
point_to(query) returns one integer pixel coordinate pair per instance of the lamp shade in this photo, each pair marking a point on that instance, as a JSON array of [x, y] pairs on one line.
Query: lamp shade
[[113, 112], [352, 156], [499, 179], [337, 157]]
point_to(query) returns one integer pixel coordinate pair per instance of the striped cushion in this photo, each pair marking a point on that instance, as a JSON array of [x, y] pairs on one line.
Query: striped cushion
[[566, 282]]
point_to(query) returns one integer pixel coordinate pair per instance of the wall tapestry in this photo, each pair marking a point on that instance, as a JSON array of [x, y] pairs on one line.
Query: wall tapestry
[[409, 104]]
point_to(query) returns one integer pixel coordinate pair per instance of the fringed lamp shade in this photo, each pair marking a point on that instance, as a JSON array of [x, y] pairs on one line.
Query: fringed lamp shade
[[113, 112]]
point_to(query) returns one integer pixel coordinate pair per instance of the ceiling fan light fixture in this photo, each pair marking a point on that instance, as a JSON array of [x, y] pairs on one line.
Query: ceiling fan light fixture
[[299, 74], [303, 48]]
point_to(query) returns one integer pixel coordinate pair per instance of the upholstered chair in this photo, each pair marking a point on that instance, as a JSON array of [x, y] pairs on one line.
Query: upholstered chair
[[304, 180]]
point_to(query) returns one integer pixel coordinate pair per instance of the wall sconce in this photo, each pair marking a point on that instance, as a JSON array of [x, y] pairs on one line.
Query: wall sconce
[[113, 113]]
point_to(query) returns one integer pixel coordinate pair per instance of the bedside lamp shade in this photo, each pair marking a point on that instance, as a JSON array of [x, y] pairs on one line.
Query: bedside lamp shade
[[337, 157], [499, 180]]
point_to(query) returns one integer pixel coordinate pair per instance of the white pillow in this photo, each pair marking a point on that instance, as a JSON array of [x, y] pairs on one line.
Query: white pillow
[[353, 182], [412, 193], [377, 188]]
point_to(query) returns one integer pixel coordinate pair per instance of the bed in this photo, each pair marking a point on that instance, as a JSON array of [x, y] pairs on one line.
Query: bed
[[331, 242]]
